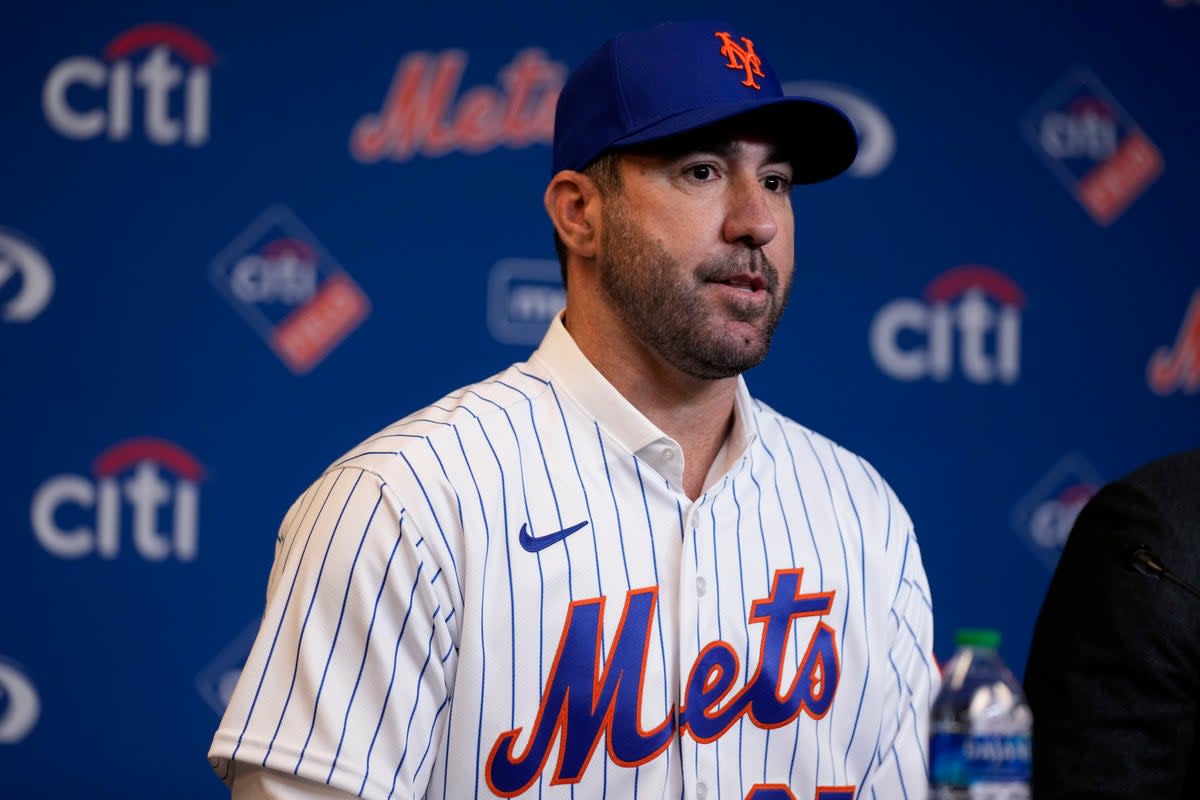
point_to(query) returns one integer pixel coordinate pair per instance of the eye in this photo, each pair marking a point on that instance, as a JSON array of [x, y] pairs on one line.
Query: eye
[[776, 183], [701, 172]]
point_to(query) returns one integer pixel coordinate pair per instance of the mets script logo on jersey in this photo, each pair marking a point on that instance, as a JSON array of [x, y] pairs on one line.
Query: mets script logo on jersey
[[85, 97], [582, 702], [146, 487], [26, 281], [1177, 369], [19, 703], [420, 115], [524, 296], [972, 310], [1092, 146], [289, 289], [876, 137], [1044, 516], [741, 57]]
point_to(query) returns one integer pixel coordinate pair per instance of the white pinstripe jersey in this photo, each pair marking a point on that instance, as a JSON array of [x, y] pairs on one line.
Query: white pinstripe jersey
[[508, 593]]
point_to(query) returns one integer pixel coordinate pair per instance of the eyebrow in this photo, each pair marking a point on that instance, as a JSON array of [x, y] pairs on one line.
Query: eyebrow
[[681, 147]]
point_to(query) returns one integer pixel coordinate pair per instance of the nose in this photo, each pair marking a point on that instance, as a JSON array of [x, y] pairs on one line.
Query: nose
[[749, 218]]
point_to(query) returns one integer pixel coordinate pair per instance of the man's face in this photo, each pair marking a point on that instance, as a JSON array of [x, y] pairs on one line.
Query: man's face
[[697, 252]]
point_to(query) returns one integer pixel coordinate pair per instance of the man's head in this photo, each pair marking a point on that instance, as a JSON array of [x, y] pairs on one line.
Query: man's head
[[674, 154]]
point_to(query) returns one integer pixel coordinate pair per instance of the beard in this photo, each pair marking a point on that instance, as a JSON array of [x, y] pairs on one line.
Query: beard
[[668, 308]]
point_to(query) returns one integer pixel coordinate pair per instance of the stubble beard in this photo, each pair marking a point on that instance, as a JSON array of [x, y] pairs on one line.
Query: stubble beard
[[664, 307]]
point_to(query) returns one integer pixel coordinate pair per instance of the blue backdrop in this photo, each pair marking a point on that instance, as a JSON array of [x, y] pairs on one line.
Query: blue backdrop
[[236, 239]]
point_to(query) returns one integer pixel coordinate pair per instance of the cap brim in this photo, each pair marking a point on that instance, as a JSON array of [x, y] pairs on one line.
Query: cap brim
[[819, 139]]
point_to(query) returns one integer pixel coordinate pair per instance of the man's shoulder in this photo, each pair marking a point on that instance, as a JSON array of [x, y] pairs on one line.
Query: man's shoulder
[[805, 445], [1168, 486], [447, 424]]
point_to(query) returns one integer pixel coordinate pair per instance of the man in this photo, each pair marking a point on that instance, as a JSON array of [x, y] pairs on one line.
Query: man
[[1113, 676], [607, 571]]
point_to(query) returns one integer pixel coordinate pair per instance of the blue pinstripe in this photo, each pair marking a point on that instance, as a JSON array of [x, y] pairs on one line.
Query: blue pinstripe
[[737, 529], [512, 602], [362, 665], [413, 712], [433, 512], [624, 560], [862, 545], [283, 614], [712, 508], [662, 646], [308, 613], [487, 533], [337, 631], [392, 679]]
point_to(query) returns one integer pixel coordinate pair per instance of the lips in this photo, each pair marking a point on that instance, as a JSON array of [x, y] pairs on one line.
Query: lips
[[745, 281]]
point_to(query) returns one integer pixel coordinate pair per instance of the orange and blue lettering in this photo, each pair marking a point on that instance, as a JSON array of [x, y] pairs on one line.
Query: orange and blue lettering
[[578, 707], [811, 689]]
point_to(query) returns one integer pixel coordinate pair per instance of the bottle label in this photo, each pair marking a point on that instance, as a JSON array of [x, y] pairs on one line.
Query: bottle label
[[956, 759]]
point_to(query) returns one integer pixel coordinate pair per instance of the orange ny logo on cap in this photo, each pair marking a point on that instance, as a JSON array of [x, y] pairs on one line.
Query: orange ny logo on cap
[[741, 58]]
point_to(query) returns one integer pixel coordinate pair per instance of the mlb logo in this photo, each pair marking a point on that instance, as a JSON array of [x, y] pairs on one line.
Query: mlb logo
[[290, 290], [524, 296], [216, 681], [1043, 517], [1092, 145]]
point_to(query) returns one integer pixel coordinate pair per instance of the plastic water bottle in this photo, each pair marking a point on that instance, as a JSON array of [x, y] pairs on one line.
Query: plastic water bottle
[[981, 726]]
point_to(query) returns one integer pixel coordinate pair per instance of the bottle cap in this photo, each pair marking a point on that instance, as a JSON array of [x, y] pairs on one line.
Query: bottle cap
[[986, 638]]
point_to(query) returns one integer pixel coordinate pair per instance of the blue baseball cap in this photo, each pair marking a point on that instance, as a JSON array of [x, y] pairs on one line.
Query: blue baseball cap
[[646, 85]]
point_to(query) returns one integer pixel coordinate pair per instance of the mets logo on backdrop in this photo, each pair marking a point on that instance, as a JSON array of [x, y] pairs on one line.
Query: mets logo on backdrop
[[26, 280], [1092, 145], [424, 113], [1177, 368], [968, 322], [290, 290], [1044, 516], [19, 703], [145, 490], [153, 78]]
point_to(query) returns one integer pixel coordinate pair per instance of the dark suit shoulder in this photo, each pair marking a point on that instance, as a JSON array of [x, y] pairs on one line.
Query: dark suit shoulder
[[1170, 486]]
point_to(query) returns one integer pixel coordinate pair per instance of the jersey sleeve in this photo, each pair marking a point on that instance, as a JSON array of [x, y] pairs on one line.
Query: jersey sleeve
[[348, 681], [900, 768]]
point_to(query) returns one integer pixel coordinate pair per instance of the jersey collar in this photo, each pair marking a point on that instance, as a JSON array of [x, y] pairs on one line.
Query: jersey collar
[[571, 372]]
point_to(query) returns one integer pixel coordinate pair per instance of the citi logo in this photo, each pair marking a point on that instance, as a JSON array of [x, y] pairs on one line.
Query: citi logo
[[85, 97], [289, 289], [20, 706], [1051, 520], [969, 320], [423, 114], [1086, 129], [1043, 518], [22, 266], [284, 272], [145, 488]]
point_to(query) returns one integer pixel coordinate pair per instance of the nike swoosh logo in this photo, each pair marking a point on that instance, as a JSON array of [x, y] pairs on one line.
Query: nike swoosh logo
[[535, 543]]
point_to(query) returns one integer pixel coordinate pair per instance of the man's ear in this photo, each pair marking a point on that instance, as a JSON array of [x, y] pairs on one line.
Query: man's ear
[[573, 203]]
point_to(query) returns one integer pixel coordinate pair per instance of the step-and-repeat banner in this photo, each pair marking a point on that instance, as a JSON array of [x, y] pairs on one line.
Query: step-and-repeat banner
[[237, 239]]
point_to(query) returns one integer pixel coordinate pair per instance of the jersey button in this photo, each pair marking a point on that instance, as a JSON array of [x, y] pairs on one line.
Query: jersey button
[[668, 454], [701, 790], [701, 588]]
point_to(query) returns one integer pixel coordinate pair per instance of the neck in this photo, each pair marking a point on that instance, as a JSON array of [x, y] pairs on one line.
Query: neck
[[696, 413]]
